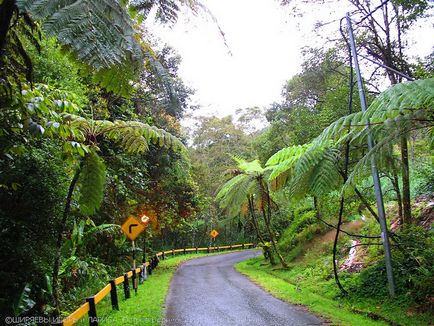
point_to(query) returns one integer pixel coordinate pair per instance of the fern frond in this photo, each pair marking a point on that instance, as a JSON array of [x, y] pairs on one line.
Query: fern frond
[[91, 183], [378, 153], [401, 106], [287, 153], [282, 163], [99, 33], [133, 136], [234, 193]]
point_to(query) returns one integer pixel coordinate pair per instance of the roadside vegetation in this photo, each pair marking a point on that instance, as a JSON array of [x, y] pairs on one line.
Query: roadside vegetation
[[91, 134]]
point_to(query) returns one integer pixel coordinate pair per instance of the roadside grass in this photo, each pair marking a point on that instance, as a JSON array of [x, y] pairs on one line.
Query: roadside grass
[[302, 285]]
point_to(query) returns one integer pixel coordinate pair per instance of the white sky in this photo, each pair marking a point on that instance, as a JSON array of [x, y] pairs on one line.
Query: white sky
[[265, 53], [265, 42]]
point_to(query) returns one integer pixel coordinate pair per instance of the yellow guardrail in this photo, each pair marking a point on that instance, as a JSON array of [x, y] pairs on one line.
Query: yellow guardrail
[[90, 306]]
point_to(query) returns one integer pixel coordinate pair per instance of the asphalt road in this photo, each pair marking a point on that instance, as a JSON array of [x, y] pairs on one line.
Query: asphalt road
[[208, 291]]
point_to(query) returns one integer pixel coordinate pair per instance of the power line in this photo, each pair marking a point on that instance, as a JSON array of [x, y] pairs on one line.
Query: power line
[[372, 12]]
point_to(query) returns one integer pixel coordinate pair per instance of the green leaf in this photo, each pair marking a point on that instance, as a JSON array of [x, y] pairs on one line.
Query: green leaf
[[24, 303], [91, 183]]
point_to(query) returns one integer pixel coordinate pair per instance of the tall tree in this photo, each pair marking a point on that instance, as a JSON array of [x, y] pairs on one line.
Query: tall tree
[[250, 185]]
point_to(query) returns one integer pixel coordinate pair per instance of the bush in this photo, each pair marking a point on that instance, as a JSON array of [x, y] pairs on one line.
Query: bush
[[412, 266]]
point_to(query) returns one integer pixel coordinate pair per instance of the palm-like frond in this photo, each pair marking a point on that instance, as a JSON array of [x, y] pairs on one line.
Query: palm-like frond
[[100, 32], [391, 115], [401, 106], [233, 195], [252, 167], [306, 168], [248, 181], [133, 136], [92, 181], [283, 163]]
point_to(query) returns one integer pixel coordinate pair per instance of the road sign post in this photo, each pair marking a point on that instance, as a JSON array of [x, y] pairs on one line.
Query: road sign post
[[132, 228]]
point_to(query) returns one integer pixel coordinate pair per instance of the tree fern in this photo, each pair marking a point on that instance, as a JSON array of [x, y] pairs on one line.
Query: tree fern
[[306, 169], [403, 106], [99, 33], [132, 136], [234, 194], [91, 183]]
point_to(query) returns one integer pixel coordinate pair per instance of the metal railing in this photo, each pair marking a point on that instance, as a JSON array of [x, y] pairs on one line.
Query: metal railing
[[137, 276]]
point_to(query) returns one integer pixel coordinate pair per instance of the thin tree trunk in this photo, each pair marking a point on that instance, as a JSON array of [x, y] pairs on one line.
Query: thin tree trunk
[[335, 246], [58, 248], [7, 9], [406, 204], [254, 222], [273, 244], [395, 185], [282, 260]]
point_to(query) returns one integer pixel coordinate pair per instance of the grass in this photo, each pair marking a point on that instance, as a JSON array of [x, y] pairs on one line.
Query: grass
[[329, 309], [302, 284]]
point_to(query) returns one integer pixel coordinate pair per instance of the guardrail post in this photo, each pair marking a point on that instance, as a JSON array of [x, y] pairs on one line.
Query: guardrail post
[[208, 249], [230, 247], [144, 273], [114, 295], [196, 249], [184, 251], [173, 252], [242, 246], [134, 280], [149, 269], [126, 286], [162, 255], [93, 319]]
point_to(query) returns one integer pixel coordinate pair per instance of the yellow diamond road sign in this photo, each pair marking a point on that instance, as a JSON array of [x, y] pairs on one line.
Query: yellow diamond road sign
[[214, 233], [132, 228]]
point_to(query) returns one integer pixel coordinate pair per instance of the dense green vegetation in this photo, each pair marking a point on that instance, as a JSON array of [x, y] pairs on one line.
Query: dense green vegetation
[[90, 134]]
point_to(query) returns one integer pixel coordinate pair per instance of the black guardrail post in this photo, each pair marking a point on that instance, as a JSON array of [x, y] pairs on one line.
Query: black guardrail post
[[114, 295], [93, 319], [126, 286], [196, 249], [184, 251], [134, 280], [162, 255], [242, 246], [173, 252], [150, 267]]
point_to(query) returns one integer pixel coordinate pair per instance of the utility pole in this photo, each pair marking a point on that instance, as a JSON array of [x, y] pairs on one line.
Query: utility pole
[[374, 172]]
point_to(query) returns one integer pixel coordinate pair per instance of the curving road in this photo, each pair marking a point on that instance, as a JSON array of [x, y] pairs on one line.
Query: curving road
[[208, 291]]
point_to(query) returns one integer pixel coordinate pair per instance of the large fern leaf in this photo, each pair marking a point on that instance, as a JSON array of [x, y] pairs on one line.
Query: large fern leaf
[[91, 184], [133, 136], [99, 33], [402, 106]]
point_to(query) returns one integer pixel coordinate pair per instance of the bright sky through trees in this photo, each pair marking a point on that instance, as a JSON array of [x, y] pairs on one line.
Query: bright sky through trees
[[264, 44]]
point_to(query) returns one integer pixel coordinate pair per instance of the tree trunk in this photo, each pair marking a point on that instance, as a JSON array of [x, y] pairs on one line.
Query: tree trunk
[[254, 222], [335, 246], [268, 225], [270, 234], [406, 204], [272, 239], [7, 9], [61, 229]]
